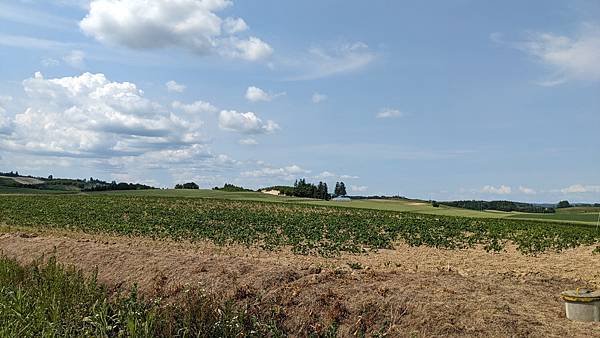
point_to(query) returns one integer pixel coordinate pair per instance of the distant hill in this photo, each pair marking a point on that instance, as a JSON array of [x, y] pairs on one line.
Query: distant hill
[[13, 182]]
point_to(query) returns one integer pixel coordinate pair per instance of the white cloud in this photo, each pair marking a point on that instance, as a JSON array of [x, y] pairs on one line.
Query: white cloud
[[569, 57], [75, 59], [580, 188], [5, 122], [251, 49], [325, 175], [4, 100], [173, 86], [501, 190], [330, 175], [317, 98], [232, 26], [247, 123], [256, 94], [196, 107], [248, 142], [287, 173], [346, 58], [389, 113], [90, 116], [189, 24], [50, 62], [358, 188], [527, 191]]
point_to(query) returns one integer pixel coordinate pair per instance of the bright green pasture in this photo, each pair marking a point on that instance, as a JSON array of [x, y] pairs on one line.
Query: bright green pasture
[[588, 215]]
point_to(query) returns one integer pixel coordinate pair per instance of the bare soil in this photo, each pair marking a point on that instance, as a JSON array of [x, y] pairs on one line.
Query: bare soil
[[403, 292]]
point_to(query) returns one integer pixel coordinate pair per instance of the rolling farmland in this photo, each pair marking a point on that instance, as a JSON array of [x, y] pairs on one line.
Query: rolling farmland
[[306, 228], [284, 266]]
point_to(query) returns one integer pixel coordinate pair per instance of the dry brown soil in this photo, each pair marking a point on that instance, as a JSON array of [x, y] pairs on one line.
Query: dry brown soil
[[403, 292]]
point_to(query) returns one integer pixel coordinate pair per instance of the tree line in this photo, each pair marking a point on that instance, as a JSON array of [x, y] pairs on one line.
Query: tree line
[[232, 188], [499, 206]]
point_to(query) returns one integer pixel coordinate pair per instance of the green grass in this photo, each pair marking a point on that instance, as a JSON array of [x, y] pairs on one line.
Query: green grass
[[588, 215], [306, 229], [50, 300]]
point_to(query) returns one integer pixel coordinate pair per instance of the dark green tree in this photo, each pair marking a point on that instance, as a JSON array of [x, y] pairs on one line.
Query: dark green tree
[[342, 190], [563, 204]]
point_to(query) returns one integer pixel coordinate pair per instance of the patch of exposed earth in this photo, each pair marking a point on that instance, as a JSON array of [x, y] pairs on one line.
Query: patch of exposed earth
[[403, 292]]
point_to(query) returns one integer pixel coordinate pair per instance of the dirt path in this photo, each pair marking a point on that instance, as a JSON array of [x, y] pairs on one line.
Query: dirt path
[[403, 292]]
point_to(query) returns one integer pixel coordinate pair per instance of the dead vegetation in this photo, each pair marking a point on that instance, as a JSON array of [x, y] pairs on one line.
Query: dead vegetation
[[404, 292]]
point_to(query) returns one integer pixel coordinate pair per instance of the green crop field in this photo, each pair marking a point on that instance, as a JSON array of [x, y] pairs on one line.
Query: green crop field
[[571, 215], [390, 205], [306, 229]]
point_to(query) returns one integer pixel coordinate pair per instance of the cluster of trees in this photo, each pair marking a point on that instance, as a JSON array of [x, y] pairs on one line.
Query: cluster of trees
[[563, 204], [500, 206], [304, 189], [116, 186], [188, 185], [231, 188], [10, 174], [340, 189]]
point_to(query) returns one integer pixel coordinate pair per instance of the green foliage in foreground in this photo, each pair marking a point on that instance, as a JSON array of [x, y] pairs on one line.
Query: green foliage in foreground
[[306, 229], [49, 300]]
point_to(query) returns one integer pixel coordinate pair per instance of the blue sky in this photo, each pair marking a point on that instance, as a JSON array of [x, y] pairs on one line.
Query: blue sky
[[429, 99]]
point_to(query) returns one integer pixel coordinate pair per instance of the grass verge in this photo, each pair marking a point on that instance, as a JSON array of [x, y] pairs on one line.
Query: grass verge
[[47, 299]]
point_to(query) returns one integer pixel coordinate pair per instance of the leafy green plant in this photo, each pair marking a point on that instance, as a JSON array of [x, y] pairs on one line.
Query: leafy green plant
[[306, 229]]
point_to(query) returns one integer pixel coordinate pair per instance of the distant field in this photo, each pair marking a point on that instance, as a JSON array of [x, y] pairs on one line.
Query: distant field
[[391, 205], [571, 215], [580, 215], [30, 191]]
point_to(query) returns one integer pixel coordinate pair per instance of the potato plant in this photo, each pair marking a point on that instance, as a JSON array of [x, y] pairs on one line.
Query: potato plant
[[306, 229]]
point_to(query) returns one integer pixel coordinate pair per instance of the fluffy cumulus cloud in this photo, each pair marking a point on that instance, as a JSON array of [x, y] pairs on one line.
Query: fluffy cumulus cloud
[[501, 190], [247, 123], [195, 107], [91, 116], [255, 94], [387, 113], [580, 189], [189, 24], [569, 57], [173, 86]]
